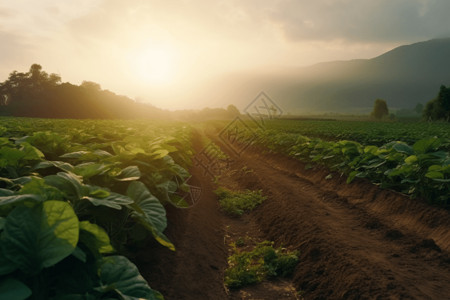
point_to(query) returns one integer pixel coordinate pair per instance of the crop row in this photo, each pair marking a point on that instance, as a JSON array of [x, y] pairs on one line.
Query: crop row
[[367, 133], [420, 170], [74, 195]]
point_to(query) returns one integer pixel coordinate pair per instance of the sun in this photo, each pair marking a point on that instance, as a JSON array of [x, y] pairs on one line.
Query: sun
[[154, 65]]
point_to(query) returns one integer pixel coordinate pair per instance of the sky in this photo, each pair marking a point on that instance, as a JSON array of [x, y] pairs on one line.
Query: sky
[[167, 52]]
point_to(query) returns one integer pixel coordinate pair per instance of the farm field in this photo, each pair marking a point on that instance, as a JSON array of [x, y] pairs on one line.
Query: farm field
[[80, 196], [412, 161], [128, 189], [364, 132]]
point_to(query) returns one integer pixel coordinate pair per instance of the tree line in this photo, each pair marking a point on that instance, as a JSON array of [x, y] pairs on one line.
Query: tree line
[[435, 110], [439, 107], [38, 94]]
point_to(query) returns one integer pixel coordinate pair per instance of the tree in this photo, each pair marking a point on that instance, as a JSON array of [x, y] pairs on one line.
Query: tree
[[380, 109], [233, 111], [91, 85], [439, 107]]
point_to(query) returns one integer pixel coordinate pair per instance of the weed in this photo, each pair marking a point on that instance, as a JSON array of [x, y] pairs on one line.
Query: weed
[[239, 202], [263, 262]]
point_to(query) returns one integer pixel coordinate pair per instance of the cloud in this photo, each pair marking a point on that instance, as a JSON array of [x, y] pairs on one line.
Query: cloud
[[362, 20]]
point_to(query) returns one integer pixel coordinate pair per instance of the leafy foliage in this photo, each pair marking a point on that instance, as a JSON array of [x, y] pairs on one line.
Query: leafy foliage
[[237, 203], [73, 193], [421, 170], [38, 94], [366, 133], [263, 262], [380, 109], [439, 108]]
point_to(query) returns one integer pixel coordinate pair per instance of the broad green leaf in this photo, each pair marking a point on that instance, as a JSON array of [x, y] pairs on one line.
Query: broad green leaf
[[89, 169], [434, 175], [402, 147], [147, 205], [31, 152], [118, 274], [76, 155], [69, 183], [435, 168], [129, 174], [5, 192], [376, 163], [411, 159], [37, 186], [6, 181], [371, 149], [99, 193], [80, 254], [102, 153], [57, 164], [6, 200], [168, 186], [439, 154], [95, 237], [160, 153], [41, 236], [113, 200], [426, 145], [13, 289], [22, 180], [10, 157], [2, 223], [149, 212]]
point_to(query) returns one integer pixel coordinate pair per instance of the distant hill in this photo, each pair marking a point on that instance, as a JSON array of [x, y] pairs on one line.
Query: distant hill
[[404, 77]]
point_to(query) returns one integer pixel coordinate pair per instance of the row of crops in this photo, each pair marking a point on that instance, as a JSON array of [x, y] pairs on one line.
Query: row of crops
[[75, 195], [367, 133], [420, 169]]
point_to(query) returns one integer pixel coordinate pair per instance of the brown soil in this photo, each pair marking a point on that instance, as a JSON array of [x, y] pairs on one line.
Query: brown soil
[[356, 241]]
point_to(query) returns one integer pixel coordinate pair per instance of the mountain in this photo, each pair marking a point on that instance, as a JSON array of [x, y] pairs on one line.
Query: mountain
[[404, 77]]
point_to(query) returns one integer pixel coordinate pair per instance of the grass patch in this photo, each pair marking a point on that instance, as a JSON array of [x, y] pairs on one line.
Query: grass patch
[[263, 262], [239, 202]]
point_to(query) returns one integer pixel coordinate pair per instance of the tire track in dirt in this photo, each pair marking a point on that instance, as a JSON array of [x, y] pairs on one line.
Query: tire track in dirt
[[356, 241]]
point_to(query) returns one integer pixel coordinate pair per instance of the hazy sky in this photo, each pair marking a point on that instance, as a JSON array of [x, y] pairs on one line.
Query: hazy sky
[[165, 51]]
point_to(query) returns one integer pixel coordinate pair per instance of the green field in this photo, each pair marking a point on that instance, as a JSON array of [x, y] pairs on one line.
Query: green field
[[364, 132], [87, 190], [93, 190], [398, 156]]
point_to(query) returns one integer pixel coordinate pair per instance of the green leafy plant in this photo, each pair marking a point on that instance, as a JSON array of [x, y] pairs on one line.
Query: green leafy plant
[[75, 194], [42, 240], [420, 170], [263, 262], [237, 203]]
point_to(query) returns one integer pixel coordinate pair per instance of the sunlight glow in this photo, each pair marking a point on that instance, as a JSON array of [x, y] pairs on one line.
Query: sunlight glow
[[154, 65]]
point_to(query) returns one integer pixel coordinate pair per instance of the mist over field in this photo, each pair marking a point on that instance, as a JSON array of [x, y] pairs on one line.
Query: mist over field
[[404, 77]]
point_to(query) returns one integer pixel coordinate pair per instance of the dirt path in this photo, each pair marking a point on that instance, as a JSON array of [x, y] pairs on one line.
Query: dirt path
[[195, 270], [355, 241]]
